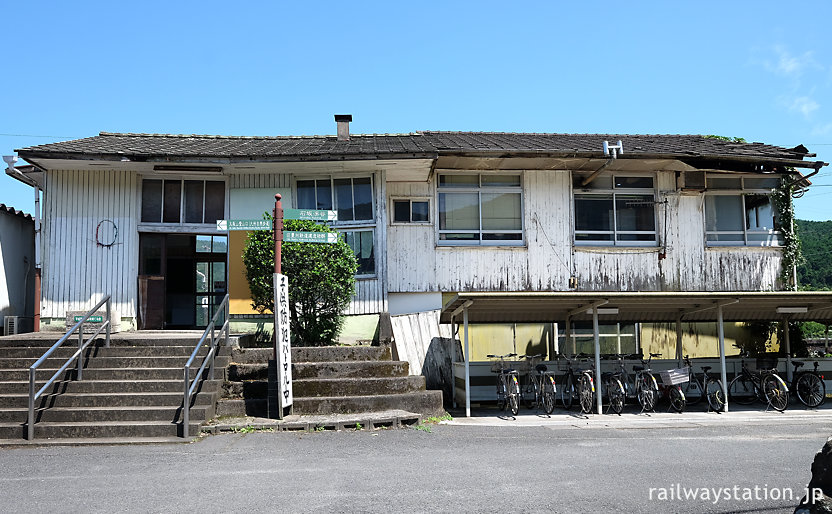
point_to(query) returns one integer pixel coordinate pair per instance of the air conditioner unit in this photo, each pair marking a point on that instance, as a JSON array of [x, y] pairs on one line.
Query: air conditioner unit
[[11, 325], [692, 181]]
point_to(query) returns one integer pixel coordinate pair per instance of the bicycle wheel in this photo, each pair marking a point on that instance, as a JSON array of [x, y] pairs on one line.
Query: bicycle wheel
[[567, 392], [530, 393], [615, 394], [677, 399], [586, 393], [742, 390], [548, 394], [501, 393], [692, 391], [810, 389], [648, 392], [776, 392], [715, 394], [514, 395]]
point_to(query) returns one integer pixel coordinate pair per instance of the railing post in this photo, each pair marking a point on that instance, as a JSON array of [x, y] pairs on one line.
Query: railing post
[[30, 428], [212, 352], [186, 404], [81, 356], [109, 322]]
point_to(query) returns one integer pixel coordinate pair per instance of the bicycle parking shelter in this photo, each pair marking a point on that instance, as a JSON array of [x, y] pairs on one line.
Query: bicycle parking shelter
[[634, 307]]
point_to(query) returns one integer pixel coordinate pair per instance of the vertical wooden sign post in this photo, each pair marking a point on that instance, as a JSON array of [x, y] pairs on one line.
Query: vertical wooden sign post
[[282, 339]]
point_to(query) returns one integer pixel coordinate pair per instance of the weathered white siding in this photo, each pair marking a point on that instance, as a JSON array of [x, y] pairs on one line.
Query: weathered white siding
[[259, 180], [417, 264], [77, 272], [371, 293]]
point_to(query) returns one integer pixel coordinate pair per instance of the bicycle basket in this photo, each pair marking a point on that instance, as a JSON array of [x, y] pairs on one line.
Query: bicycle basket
[[766, 362], [675, 376]]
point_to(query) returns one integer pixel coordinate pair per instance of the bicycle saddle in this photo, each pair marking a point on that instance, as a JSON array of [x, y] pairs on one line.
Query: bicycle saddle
[[706, 368], [798, 364], [638, 368], [541, 367]]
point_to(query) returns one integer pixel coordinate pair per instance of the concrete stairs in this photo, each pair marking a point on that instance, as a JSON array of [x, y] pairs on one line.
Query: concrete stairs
[[131, 391], [329, 380]]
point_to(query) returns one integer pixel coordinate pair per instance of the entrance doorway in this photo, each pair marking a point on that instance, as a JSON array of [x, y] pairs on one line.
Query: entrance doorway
[[182, 278]]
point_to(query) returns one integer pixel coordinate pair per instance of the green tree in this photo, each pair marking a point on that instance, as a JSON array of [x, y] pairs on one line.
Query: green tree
[[321, 281]]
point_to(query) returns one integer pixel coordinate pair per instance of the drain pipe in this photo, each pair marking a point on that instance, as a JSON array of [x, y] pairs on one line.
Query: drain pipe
[[14, 172]]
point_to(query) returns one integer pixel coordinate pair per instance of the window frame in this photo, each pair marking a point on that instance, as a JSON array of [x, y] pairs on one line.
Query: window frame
[[341, 226], [774, 239], [577, 191], [479, 189], [182, 207], [410, 201]]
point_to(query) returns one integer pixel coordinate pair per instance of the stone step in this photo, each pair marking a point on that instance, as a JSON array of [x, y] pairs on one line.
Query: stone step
[[66, 351], [341, 353], [12, 342], [115, 429], [428, 403], [106, 399], [108, 374], [355, 369], [113, 362], [99, 414], [366, 386], [107, 386]]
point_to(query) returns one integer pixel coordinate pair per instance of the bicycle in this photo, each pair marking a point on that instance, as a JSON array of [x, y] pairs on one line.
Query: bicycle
[[671, 387], [711, 387], [643, 387], [614, 390], [764, 384], [585, 390], [540, 384], [508, 384], [808, 386]]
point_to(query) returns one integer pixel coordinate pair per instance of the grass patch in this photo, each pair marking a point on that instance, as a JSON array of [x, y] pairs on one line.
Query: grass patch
[[434, 420]]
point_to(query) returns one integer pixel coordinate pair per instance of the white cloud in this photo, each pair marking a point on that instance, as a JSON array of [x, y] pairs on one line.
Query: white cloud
[[791, 65], [803, 105]]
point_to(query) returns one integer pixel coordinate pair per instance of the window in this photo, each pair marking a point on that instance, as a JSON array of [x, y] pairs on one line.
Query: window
[[480, 209], [615, 210], [183, 201], [411, 211], [614, 338], [352, 198], [739, 211]]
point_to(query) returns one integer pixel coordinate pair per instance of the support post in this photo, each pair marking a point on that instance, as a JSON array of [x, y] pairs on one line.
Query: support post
[[30, 428], [721, 331], [555, 341], [567, 334], [618, 338], [597, 340], [453, 358], [186, 402], [680, 353], [277, 220], [467, 365], [788, 341]]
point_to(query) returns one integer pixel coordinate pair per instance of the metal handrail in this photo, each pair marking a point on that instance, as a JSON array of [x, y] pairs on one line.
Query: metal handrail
[[82, 345], [211, 355]]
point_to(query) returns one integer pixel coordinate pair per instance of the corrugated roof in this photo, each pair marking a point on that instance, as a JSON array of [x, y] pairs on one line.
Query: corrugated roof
[[415, 144], [14, 212], [642, 307]]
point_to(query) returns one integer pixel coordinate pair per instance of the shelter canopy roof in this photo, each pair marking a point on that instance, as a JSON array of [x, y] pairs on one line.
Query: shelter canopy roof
[[645, 307]]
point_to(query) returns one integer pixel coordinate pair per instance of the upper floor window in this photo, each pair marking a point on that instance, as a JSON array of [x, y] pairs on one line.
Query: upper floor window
[[615, 210], [351, 197], [480, 209], [407, 210], [739, 211], [183, 201]]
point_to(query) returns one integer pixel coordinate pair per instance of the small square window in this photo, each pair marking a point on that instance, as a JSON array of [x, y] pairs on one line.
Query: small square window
[[411, 211]]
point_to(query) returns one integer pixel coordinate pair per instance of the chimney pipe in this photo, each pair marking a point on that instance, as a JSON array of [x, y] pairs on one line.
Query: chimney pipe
[[343, 121]]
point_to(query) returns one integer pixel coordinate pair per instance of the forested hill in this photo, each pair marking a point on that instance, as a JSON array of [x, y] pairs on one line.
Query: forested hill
[[816, 272]]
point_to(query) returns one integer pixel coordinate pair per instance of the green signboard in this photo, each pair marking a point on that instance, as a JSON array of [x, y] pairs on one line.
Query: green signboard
[[310, 237], [244, 224], [91, 319], [306, 214]]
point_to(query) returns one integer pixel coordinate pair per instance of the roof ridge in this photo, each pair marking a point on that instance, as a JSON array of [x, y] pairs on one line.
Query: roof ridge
[[426, 132], [216, 136]]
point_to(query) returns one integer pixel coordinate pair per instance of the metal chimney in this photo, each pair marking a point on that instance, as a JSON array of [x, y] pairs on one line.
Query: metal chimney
[[343, 121]]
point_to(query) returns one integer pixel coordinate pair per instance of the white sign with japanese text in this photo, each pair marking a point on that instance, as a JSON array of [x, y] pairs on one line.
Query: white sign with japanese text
[[283, 346]]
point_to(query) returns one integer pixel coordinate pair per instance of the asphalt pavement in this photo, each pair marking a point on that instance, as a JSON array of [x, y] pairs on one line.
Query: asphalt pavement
[[532, 464]]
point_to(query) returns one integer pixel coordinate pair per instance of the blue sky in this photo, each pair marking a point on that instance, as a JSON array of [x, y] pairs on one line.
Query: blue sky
[[759, 70]]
